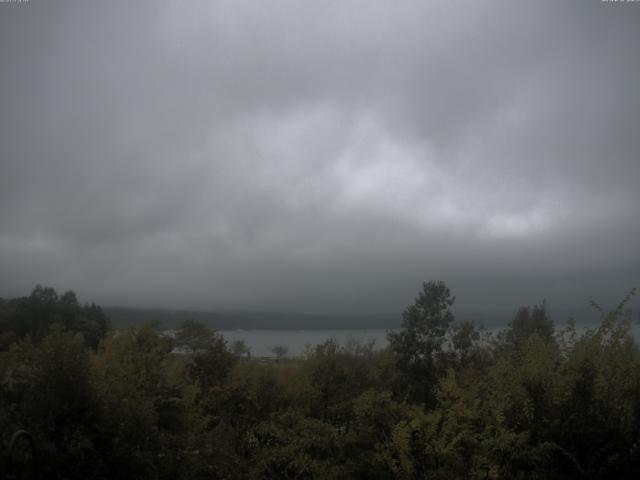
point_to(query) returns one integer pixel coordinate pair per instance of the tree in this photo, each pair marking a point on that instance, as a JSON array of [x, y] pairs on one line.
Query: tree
[[209, 358], [194, 336], [530, 321], [35, 315], [53, 388], [240, 349], [280, 351], [143, 411], [418, 345], [212, 365], [466, 341]]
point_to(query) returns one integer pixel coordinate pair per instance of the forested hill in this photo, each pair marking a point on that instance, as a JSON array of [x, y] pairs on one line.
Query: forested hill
[[135, 317]]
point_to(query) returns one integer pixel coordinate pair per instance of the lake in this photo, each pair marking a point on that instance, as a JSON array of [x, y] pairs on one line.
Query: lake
[[296, 341], [262, 341]]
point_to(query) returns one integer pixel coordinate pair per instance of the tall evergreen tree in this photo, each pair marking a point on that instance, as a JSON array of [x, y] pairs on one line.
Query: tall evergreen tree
[[418, 345]]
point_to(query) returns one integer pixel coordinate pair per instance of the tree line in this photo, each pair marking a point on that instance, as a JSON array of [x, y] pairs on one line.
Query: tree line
[[444, 400]]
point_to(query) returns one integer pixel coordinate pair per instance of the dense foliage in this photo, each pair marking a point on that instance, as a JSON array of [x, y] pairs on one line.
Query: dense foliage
[[32, 317], [444, 400]]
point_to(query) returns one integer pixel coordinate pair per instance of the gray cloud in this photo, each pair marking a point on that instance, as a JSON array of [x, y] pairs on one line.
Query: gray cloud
[[319, 156]]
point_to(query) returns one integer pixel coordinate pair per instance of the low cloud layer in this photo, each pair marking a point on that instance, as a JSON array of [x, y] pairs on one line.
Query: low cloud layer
[[320, 156]]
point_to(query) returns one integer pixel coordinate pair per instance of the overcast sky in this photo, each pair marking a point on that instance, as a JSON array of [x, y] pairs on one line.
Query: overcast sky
[[320, 156]]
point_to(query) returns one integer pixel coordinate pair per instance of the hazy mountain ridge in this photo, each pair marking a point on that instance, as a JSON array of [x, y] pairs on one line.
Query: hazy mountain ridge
[[124, 317]]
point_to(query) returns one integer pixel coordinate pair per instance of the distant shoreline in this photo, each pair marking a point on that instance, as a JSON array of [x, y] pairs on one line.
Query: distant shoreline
[[122, 317]]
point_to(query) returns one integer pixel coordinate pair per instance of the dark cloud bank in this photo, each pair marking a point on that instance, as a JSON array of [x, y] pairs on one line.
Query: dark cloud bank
[[320, 156]]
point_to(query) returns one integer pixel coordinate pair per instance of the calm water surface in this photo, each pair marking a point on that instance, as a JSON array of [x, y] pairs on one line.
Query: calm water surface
[[296, 341], [262, 341]]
